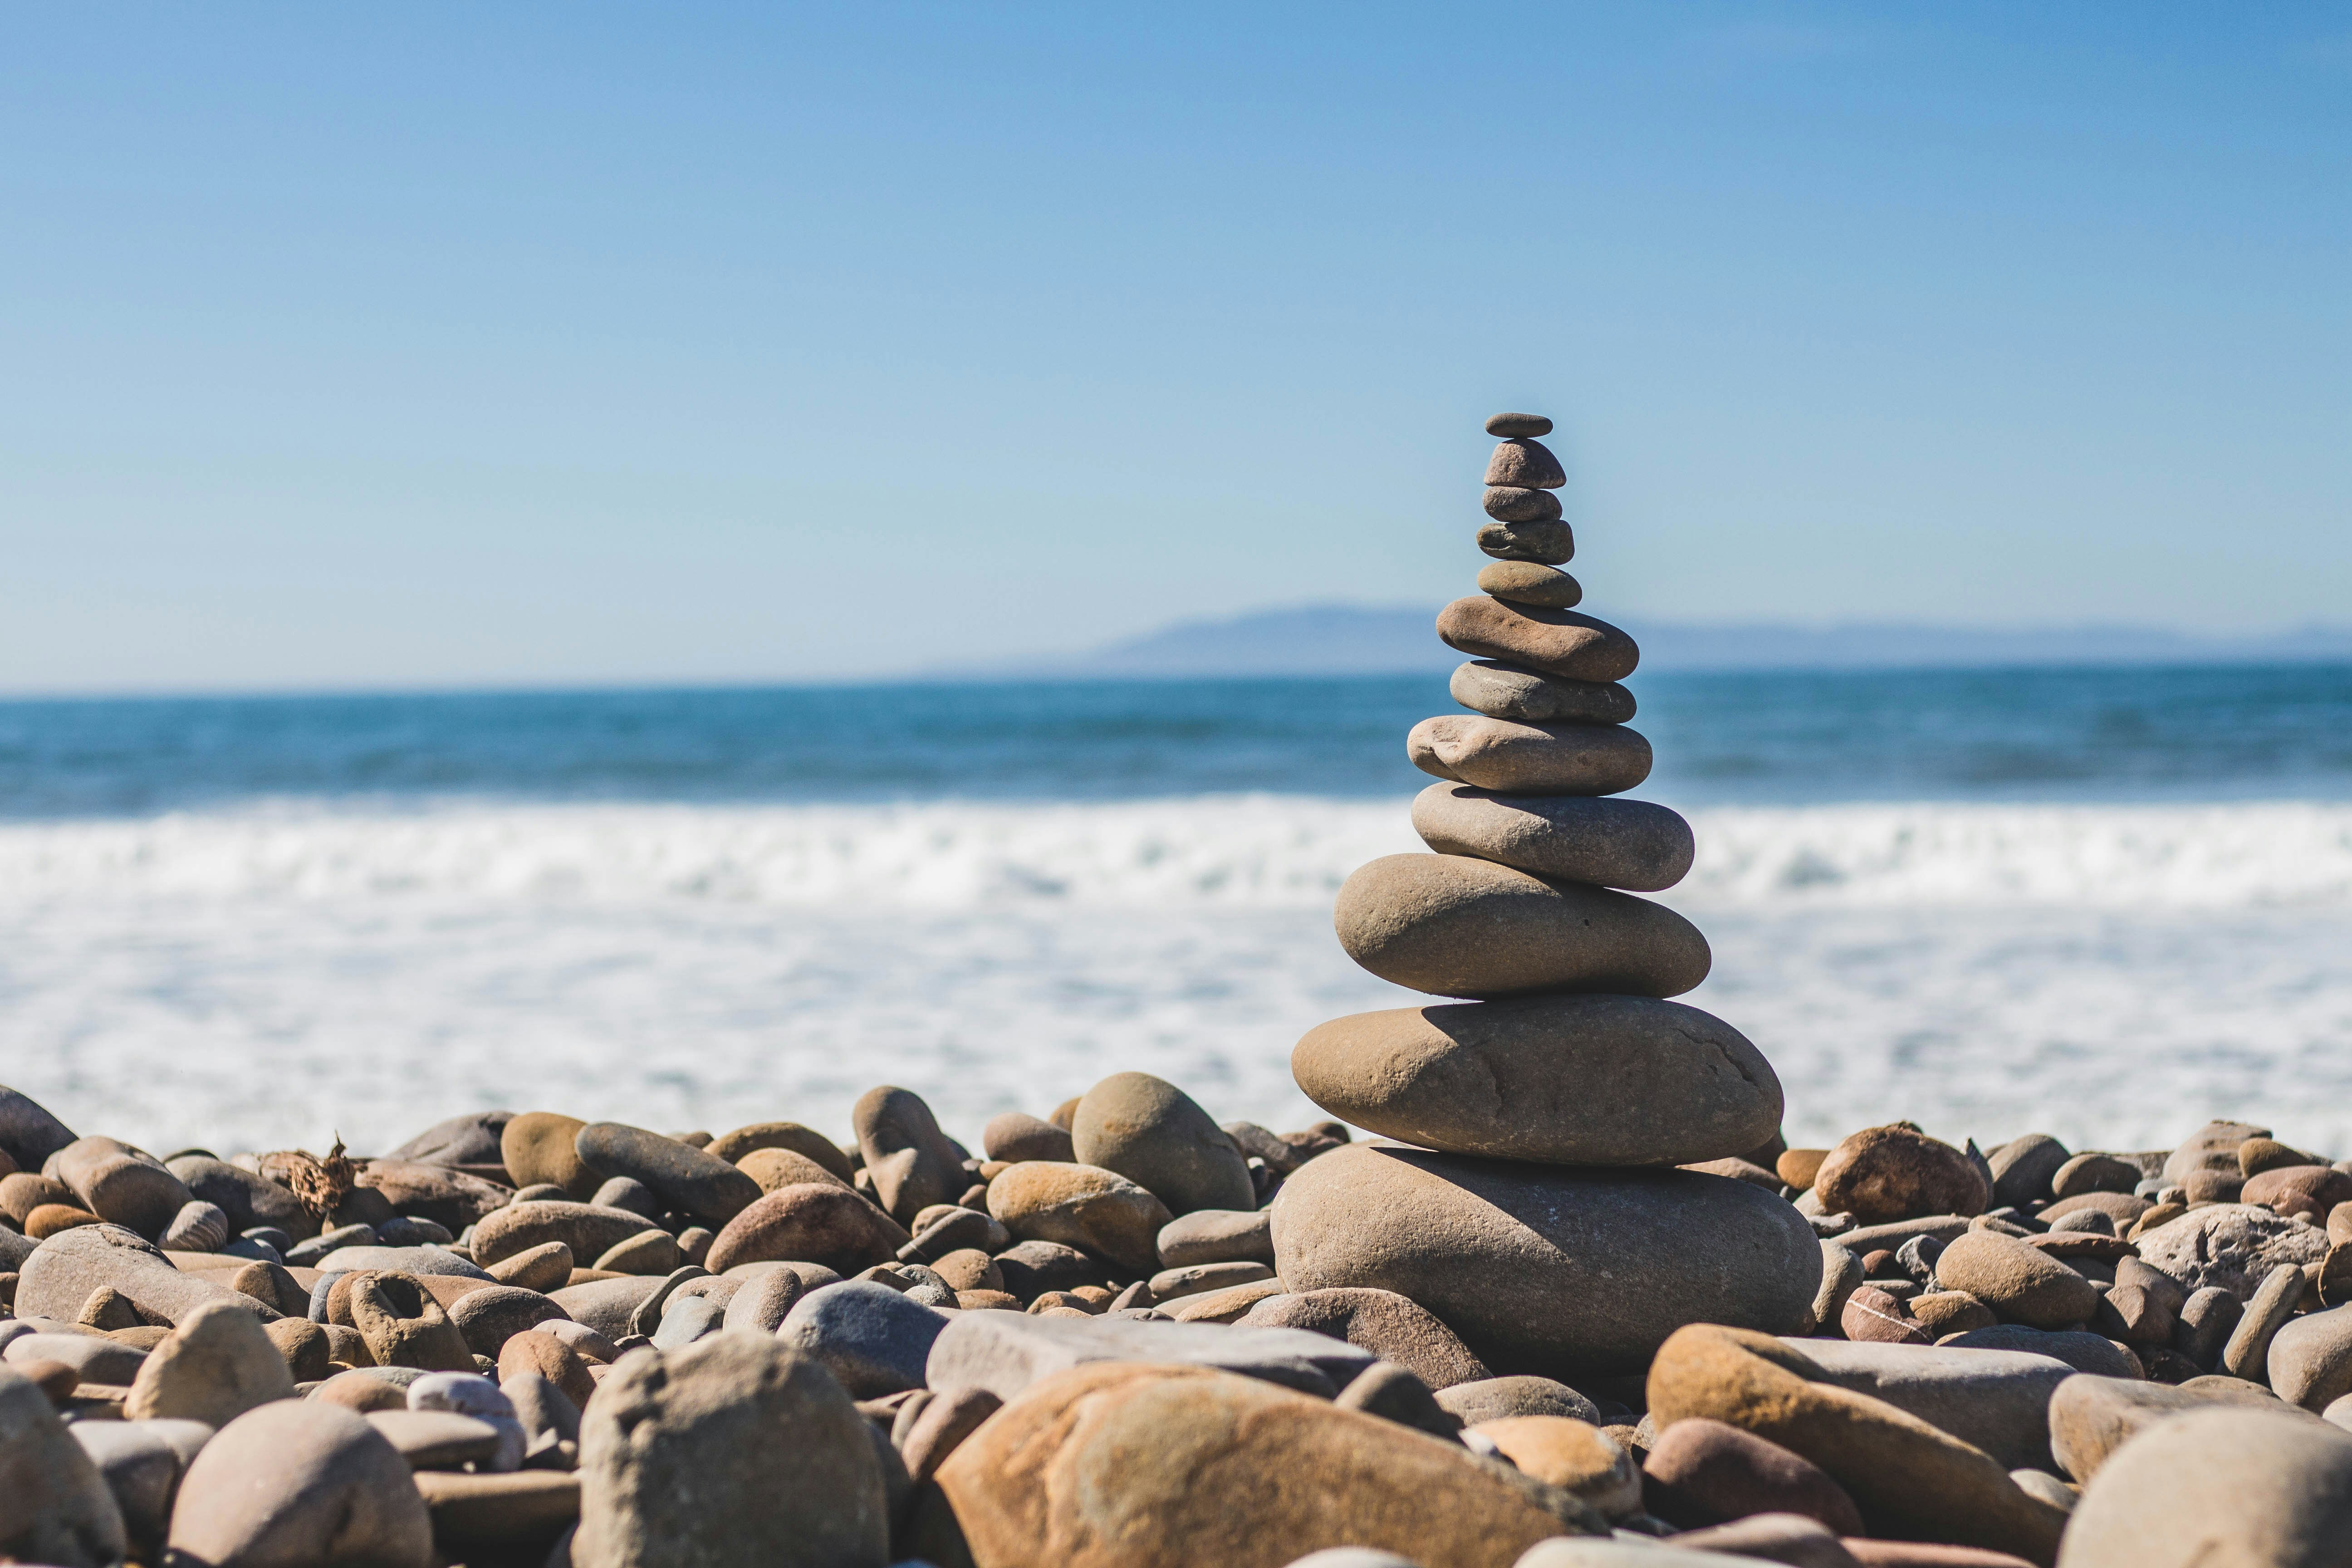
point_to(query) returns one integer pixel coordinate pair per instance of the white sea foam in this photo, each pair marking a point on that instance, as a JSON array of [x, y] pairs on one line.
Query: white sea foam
[[266, 976]]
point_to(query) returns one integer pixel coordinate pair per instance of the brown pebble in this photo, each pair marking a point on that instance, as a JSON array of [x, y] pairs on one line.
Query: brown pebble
[[53, 1219], [56, 1379]]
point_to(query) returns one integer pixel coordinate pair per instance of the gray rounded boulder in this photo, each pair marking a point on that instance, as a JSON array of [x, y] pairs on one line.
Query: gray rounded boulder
[[1154, 1134], [1562, 1273], [1571, 1081], [1455, 926], [1573, 838], [2219, 1488]]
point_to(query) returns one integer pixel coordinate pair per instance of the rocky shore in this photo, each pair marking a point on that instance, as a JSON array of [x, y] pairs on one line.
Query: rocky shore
[[1574, 1301]]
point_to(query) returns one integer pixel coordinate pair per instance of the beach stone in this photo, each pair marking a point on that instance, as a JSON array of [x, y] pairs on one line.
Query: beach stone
[[1628, 843], [686, 1318], [55, 1219], [1525, 583], [1455, 926], [1033, 1268], [1574, 1456], [763, 1301], [1897, 1172], [1390, 1326], [488, 1318], [1217, 1236], [56, 1507], [2017, 1281], [683, 1178], [648, 1252], [439, 1439], [142, 1463], [297, 1482], [679, 1464], [2219, 1488], [2023, 1168], [120, 1185], [475, 1138], [1872, 1316], [2091, 1417], [1518, 425], [2082, 1351], [1942, 1312], [1151, 1132], [1005, 1352], [1548, 542], [58, 1276], [1016, 1136], [532, 1353], [872, 1338], [366, 1389], [1794, 1539], [1175, 1284], [909, 1159], [1501, 1398], [303, 1347], [1554, 1271], [1995, 1400], [197, 1228], [28, 1133], [2093, 1172], [1083, 1206], [586, 1230], [2234, 1246], [420, 1189], [1907, 1477], [550, 1417], [1526, 463], [2203, 1325], [2307, 1190], [403, 1325], [22, 1191], [425, 1262], [2121, 1208], [1219, 1468], [1701, 1471], [1521, 1079], [486, 1517], [805, 1141], [546, 1267], [774, 1168], [219, 1363], [945, 1228], [2212, 1147], [2310, 1359], [1388, 1391], [1519, 503], [1582, 760], [94, 1358], [2256, 1155], [1502, 691], [1555, 642], [542, 1146]]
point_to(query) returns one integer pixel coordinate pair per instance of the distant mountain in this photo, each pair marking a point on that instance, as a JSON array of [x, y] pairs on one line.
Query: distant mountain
[[1356, 640]]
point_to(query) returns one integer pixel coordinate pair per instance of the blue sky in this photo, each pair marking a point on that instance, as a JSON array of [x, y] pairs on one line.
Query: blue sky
[[516, 343]]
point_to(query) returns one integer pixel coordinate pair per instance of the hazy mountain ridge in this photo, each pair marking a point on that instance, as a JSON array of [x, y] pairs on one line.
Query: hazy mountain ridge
[[1357, 639]]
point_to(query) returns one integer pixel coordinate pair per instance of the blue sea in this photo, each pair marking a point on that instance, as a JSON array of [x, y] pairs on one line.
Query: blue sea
[[2106, 903]]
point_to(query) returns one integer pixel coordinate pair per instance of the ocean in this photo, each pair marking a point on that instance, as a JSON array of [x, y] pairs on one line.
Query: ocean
[[2104, 903]]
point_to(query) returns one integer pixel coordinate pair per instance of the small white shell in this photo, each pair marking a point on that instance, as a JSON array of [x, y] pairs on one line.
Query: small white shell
[[197, 1228]]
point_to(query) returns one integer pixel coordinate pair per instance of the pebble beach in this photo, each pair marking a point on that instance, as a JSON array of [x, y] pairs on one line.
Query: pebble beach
[[1538, 1278]]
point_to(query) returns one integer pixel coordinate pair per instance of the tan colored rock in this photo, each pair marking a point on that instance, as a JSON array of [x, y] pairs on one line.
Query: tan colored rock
[[540, 1146], [55, 1506], [1084, 1206], [218, 1364], [1626, 844], [1525, 583], [773, 1168], [1525, 463], [909, 1160], [1574, 1456], [1530, 759], [1556, 642], [120, 1185], [1551, 1270], [805, 1141], [1214, 1467], [1571, 1080], [403, 1325], [547, 1266], [811, 1223], [2219, 1488], [1897, 1172], [1151, 1132], [1506, 691], [2021, 1283], [546, 1356], [1908, 1477], [301, 1481], [1459, 927]]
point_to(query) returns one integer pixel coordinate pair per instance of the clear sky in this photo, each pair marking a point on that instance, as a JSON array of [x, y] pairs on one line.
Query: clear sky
[[432, 345]]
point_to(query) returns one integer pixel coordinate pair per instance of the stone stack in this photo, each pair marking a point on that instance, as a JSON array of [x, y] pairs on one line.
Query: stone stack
[[1532, 1196]]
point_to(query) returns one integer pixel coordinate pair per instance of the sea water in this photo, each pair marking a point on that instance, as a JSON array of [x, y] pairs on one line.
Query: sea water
[[2103, 903]]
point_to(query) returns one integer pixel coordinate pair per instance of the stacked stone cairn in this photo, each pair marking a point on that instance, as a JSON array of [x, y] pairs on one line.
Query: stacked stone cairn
[[1576, 1307], [1533, 1198]]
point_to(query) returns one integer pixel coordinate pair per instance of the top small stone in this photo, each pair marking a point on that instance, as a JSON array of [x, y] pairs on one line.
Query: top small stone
[[1518, 425]]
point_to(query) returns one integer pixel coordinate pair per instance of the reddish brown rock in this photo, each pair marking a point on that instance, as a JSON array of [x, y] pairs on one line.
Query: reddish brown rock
[[2310, 1191], [1530, 759], [1701, 1471], [1557, 642], [1897, 1171], [809, 1223]]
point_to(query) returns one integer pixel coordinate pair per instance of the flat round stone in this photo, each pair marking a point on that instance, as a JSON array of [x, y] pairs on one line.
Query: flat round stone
[[1506, 691], [1518, 425], [1455, 926], [1520, 503], [1566, 1080], [1530, 759], [1628, 843], [1547, 541], [1557, 642], [1525, 583]]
